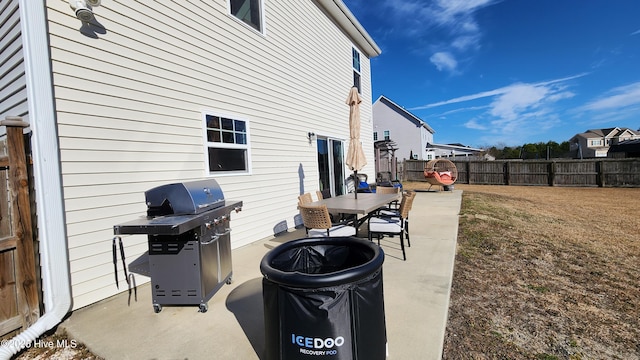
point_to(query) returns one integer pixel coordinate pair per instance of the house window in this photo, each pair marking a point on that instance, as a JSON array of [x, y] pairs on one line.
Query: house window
[[375, 136], [595, 142], [386, 135], [248, 11], [355, 59], [226, 144]]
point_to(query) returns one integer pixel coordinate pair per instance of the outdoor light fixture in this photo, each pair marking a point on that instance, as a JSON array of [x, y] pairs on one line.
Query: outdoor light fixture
[[311, 136], [84, 8]]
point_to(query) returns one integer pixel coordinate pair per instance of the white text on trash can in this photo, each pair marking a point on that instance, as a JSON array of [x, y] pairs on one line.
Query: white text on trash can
[[318, 344]]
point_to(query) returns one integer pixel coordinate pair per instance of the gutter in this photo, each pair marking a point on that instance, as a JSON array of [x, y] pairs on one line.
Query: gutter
[[54, 260], [351, 26]]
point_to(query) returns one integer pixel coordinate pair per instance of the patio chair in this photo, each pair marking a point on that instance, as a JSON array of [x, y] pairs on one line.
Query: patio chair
[[324, 194], [388, 190], [305, 199], [395, 213], [440, 172], [362, 182], [350, 184], [317, 222], [381, 225]]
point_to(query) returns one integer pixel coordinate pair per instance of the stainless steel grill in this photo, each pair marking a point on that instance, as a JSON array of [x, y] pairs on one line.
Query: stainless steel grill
[[188, 229]]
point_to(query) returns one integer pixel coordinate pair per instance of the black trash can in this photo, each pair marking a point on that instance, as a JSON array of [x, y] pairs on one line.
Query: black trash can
[[323, 299]]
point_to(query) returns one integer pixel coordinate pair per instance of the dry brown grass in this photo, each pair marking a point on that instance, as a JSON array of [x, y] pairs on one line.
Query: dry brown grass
[[546, 273]]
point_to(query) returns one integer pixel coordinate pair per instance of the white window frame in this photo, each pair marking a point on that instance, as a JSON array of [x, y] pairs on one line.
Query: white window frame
[[207, 144], [357, 70], [263, 26]]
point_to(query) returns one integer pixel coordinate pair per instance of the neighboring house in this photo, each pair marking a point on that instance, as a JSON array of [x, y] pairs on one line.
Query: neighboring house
[[393, 122], [596, 143], [435, 151], [147, 94], [412, 137], [625, 149]]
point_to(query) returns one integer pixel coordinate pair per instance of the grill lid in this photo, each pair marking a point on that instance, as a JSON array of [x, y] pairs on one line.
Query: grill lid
[[193, 197]]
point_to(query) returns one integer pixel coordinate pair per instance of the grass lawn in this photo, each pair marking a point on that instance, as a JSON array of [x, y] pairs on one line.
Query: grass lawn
[[546, 273]]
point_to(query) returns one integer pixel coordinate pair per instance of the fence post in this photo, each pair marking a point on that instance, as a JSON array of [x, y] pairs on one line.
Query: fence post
[[507, 175], [600, 176], [468, 165], [552, 173]]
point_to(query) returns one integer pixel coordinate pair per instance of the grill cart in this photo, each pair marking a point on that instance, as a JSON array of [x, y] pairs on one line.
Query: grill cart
[[189, 237]]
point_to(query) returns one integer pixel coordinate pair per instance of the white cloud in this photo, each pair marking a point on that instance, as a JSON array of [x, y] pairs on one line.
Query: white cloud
[[636, 32], [475, 125], [616, 98], [518, 98], [458, 13], [444, 61], [503, 90], [513, 111], [446, 25], [465, 42]]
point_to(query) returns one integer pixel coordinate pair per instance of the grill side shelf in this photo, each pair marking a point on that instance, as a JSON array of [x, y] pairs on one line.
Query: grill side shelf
[[172, 224], [162, 225]]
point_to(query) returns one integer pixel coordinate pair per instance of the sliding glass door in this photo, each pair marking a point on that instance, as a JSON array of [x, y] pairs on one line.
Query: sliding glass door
[[331, 165]]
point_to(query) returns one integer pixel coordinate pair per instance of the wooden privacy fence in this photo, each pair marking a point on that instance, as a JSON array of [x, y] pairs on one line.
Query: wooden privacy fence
[[586, 172], [19, 303]]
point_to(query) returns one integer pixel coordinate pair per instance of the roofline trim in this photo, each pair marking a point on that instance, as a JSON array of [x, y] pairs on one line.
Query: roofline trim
[[339, 12], [422, 122]]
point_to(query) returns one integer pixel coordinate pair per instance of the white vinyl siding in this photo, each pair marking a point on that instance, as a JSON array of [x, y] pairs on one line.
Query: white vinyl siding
[[394, 124], [13, 86], [129, 104]]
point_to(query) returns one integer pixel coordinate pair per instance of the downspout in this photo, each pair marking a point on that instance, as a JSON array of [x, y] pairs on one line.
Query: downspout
[[48, 185]]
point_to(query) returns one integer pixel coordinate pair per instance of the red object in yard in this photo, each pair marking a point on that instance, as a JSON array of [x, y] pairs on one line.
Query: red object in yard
[[440, 172]]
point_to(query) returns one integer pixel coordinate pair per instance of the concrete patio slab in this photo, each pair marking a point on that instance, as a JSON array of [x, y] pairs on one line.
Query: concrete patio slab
[[416, 295]]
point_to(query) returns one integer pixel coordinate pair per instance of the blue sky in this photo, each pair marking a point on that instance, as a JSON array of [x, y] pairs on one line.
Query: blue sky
[[484, 72]]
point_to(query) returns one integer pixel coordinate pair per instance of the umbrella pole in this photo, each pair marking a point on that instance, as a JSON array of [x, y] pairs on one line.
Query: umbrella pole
[[355, 181]]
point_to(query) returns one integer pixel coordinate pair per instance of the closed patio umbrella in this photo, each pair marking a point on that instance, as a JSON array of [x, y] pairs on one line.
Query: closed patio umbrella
[[355, 154]]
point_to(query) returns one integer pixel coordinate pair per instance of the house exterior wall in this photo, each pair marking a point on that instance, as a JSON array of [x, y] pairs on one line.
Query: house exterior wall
[[409, 137], [13, 83], [130, 97]]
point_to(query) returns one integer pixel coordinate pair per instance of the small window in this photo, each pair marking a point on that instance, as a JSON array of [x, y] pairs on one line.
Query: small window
[[355, 60], [248, 11], [386, 135], [227, 144], [356, 81], [375, 136]]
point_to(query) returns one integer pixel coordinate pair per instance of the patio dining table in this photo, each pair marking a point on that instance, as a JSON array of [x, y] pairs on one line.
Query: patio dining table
[[365, 204]]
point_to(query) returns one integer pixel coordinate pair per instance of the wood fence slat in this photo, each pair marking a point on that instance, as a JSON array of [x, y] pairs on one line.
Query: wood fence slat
[[8, 298], [25, 260], [22, 273], [8, 243]]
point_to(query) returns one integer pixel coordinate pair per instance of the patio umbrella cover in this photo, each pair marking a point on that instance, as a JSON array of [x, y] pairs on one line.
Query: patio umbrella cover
[[355, 154]]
